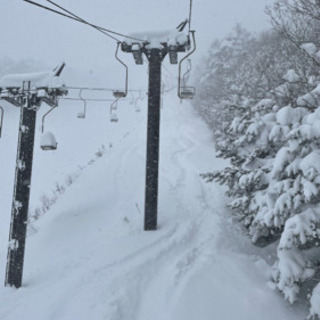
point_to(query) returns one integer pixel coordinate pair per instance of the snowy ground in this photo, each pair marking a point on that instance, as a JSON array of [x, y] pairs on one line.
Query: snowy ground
[[90, 259]]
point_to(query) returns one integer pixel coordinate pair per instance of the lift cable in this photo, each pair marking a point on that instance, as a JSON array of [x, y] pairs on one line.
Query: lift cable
[[58, 12], [83, 21], [103, 30], [88, 88], [78, 19], [74, 88], [100, 89], [89, 99]]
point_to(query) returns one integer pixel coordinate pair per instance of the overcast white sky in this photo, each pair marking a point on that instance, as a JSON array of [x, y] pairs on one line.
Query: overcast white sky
[[27, 31]]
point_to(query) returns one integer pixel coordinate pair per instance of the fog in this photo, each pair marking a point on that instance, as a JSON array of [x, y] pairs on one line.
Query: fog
[[29, 32]]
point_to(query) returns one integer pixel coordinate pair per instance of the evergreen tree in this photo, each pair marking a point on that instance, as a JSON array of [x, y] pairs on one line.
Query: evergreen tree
[[261, 95]]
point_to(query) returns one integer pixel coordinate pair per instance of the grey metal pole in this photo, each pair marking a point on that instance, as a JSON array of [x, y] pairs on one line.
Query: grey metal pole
[[155, 57], [21, 195]]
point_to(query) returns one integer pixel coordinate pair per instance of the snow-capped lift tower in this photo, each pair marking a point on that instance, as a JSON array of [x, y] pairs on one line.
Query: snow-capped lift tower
[[26, 91], [155, 46]]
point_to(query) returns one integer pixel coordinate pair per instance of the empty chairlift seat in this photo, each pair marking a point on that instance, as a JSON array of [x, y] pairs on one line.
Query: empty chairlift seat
[[48, 141], [119, 94], [114, 118], [187, 92], [81, 115]]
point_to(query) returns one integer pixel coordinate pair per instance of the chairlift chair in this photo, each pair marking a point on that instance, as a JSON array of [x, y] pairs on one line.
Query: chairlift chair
[[114, 117], [121, 93], [82, 115], [186, 92], [113, 106], [48, 140]]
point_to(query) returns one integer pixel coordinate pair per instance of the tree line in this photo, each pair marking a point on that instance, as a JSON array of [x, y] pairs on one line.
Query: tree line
[[260, 94]]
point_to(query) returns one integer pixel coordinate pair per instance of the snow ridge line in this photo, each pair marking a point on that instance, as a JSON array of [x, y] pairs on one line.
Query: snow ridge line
[[47, 201]]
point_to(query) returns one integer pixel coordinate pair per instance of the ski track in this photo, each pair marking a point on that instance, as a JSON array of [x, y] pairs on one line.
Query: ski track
[[145, 280], [136, 285], [179, 252]]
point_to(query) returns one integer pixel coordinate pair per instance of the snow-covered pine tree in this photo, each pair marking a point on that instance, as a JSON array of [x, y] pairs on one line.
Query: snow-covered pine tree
[[249, 119], [269, 131], [297, 167]]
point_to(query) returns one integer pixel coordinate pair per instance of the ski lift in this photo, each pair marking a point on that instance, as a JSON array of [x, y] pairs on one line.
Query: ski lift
[[114, 117], [137, 108], [1, 120], [82, 115], [186, 92], [113, 106], [120, 93], [48, 140]]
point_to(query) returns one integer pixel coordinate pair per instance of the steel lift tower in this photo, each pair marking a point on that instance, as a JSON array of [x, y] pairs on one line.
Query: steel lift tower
[[155, 50]]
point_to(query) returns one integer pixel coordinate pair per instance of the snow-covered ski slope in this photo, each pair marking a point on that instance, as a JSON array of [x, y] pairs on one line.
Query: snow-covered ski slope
[[91, 259]]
